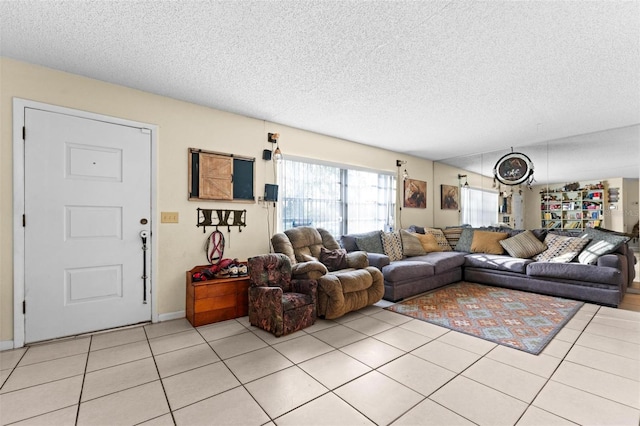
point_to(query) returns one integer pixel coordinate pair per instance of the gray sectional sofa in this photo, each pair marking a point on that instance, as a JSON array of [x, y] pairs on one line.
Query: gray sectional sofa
[[604, 282]]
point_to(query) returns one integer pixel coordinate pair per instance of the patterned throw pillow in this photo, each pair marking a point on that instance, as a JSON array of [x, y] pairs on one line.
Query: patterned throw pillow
[[452, 235], [487, 242], [523, 245], [429, 243], [464, 243], [411, 245], [392, 245], [601, 243], [561, 249], [440, 238]]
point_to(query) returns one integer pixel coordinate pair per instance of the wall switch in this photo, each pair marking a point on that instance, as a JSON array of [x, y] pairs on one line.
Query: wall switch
[[169, 217]]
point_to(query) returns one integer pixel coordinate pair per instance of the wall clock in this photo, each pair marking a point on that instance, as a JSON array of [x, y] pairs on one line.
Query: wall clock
[[513, 169]]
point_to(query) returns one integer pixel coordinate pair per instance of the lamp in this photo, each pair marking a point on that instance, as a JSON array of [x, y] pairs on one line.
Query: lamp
[[466, 183], [405, 174], [273, 138]]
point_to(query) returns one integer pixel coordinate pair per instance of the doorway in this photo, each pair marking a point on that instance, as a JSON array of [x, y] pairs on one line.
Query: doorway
[[81, 263]]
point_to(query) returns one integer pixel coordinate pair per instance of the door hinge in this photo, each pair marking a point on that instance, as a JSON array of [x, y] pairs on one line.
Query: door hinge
[[24, 307], [24, 133], [24, 221]]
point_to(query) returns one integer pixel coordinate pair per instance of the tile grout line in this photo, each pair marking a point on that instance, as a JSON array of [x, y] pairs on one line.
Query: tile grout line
[[164, 391], [548, 379], [84, 376]]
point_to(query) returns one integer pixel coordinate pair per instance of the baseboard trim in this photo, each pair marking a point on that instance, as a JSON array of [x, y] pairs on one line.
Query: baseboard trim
[[172, 316], [5, 345]]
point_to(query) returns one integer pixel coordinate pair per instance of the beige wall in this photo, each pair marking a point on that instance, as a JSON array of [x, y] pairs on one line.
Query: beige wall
[[181, 125]]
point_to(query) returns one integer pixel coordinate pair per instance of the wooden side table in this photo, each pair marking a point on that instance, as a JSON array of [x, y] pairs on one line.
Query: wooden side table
[[216, 300]]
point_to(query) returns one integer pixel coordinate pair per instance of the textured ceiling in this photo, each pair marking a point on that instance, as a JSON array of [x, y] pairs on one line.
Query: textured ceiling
[[434, 79]]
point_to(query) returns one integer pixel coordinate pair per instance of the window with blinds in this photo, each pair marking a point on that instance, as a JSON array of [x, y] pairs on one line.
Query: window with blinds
[[337, 198], [479, 207]]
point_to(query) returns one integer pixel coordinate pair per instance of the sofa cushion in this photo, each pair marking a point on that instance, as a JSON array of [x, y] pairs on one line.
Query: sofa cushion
[[352, 280], [497, 262], [523, 245], [411, 245], [407, 269], [442, 261], [601, 243], [392, 245], [487, 242], [561, 249], [575, 271], [440, 238]]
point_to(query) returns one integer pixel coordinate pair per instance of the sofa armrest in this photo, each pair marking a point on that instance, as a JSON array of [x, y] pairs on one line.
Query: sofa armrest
[[357, 259], [311, 270], [610, 260], [378, 260]]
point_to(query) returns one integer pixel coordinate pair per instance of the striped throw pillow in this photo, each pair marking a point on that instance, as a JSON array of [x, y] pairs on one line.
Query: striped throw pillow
[[523, 245]]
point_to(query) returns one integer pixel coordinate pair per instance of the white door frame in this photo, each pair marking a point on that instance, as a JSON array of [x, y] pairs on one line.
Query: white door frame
[[19, 202]]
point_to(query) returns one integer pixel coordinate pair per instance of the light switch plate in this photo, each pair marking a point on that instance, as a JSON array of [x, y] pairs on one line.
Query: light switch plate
[[169, 217]]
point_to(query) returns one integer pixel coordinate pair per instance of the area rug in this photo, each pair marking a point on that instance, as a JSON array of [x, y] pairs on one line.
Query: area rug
[[517, 319]]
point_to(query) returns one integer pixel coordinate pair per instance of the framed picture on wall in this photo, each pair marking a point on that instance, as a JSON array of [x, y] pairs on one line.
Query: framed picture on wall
[[449, 197], [415, 193]]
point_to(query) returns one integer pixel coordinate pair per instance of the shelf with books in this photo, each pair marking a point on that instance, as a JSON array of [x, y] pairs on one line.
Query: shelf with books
[[577, 208]]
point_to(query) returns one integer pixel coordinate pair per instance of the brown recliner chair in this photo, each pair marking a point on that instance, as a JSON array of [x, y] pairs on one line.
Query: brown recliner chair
[[339, 291]]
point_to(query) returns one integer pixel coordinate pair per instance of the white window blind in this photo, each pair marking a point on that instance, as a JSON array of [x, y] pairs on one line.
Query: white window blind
[[479, 207], [334, 197]]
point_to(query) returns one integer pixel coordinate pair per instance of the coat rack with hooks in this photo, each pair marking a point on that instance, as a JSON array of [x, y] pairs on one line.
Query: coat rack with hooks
[[222, 217]]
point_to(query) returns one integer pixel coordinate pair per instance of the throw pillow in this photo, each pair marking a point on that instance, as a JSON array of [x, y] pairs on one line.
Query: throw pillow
[[523, 245], [452, 235], [487, 242], [371, 243], [561, 249], [411, 245], [429, 242], [392, 245], [415, 229], [440, 238], [602, 243], [334, 260], [464, 243]]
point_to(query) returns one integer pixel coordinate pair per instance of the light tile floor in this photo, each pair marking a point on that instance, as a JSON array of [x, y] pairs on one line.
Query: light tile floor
[[369, 367]]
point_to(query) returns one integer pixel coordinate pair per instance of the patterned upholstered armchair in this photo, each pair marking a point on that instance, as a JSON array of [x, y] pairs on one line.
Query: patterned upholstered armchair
[[277, 303], [341, 289]]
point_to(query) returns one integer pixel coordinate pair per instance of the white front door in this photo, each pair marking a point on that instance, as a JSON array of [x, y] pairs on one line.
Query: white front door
[[87, 198]]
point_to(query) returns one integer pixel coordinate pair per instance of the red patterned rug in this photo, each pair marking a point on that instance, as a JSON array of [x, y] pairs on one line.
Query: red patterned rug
[[520, 320]]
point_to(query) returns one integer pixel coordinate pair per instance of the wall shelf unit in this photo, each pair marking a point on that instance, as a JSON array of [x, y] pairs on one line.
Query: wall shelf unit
[[573, 209]]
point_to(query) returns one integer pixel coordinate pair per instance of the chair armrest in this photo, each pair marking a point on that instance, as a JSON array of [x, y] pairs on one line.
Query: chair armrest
[[269, 298], [357, 259], [311, 270], [309, 287]]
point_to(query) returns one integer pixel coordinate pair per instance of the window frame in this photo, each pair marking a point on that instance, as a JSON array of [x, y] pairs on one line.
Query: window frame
[[467, 218], [344, 188]]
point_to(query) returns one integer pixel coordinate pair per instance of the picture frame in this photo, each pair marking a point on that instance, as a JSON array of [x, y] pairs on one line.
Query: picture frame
[[415, 194], [449, 197]]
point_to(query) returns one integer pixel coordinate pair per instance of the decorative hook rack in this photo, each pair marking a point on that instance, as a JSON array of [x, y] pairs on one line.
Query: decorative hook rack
[[222, 217]]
